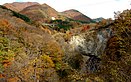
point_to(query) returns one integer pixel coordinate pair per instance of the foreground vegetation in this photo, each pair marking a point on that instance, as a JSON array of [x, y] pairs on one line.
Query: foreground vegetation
[[31, 53]]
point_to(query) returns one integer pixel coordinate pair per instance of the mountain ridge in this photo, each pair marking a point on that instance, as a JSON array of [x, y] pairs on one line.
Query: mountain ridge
[[40, 12], [76, 15], [18, 6], [28, 8], [35, 53]]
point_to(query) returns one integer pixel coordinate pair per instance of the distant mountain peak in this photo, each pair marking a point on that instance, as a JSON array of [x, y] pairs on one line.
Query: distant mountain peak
[[41, 12], [24, 2], [45, 4], [44, 12], [74, 10], [76, 15], [98, 19], [18, 6]]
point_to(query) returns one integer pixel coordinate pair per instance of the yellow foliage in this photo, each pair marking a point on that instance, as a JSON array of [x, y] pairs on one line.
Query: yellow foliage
[[98, 79], [54, 51], [47, 61]]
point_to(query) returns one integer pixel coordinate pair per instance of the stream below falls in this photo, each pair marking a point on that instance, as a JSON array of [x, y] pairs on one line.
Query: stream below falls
[[91, 44]]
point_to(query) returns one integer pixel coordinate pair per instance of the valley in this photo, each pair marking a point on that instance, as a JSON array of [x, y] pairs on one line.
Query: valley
[[40, 44]]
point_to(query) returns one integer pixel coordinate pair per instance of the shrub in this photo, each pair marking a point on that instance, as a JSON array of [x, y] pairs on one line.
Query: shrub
[[6, 54]]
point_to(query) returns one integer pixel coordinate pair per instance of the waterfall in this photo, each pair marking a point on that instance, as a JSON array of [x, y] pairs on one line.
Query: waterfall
[[91, 44]]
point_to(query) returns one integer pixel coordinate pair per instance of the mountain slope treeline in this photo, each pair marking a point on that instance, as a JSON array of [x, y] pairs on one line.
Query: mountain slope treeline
[[38, 53]]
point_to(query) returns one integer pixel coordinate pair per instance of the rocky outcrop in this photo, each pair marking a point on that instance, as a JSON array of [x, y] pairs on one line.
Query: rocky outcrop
[[92, 44]]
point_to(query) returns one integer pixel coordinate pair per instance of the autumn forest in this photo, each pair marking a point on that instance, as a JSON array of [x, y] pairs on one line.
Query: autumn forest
[[40, 44]]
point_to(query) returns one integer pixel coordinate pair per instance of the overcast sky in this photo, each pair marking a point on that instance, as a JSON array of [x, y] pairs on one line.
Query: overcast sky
[[91, 8]]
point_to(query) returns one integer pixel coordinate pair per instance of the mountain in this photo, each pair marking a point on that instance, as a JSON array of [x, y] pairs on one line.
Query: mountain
[[18, 6], [44, 12], [98, 19], [76, 15], [33, 53], [40, 12]]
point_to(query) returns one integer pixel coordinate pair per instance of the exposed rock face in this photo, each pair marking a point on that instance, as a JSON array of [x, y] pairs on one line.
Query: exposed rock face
[[92, 44]]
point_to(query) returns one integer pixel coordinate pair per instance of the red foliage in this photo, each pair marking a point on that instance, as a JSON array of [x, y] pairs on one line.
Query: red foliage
[[85, 28]]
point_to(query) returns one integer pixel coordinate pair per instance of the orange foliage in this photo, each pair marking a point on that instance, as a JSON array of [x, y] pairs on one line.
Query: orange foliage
[[2, 75], [86, 27], [4, 23], [15, 79], [6, 63], [46, 30]]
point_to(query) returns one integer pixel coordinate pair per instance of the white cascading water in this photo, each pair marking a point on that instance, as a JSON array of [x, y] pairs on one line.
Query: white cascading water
[[92, 44]]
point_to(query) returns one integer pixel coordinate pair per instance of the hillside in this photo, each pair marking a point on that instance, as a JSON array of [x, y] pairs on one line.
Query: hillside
[[22, 46], [76, 15], [98, 19], [40, 13], [18, 6], [75, 52], [44, 12]]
